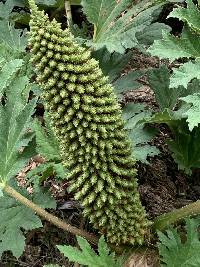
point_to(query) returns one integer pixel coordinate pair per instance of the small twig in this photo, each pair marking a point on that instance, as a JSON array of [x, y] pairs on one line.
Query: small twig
[[68, 13], [49, 217]]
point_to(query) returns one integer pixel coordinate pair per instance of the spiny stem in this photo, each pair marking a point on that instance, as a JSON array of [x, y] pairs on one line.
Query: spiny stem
[[49, 217], [163, 221]]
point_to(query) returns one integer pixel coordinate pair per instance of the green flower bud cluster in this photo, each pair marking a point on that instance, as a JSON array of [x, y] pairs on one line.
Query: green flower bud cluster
[[86, 119]]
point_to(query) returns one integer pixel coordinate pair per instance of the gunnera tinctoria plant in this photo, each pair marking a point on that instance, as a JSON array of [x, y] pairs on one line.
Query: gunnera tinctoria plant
[[86, 119]]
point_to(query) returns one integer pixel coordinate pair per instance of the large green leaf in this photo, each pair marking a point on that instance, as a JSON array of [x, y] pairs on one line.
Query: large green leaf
[[87, 257], [151, 33], [111, 64], [166, 97], [140, 136], [184, 146], [192, 88], [185, 73], [193, 112], [185, 46], [15, 217], [131, 109], [190, 15], [7, 72], [177, 253], [15, 119], [116, 22], [138, 133], [172, 47], [159, 80], [166, 116], [6, 9], [14, 38], [48, 147], [13, 138]]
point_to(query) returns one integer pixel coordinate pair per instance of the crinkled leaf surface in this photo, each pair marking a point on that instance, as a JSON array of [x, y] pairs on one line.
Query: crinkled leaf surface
[[6, 9], [151, 33], [193, 113], [131, 109], [87, 257], [14, 38], [185, 73], [176, 253], [192, 88], [185, 46], [190, 15], [115, 28], [9, 35], [172, 47], [159, 80], [166, 116], [140, 136], [15, 217], [143, 151], [136, 118], [185, 146]]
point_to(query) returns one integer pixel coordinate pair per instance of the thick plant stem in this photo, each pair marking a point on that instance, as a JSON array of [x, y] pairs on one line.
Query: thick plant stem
[[49, 217], [68, 13], [163, 221]]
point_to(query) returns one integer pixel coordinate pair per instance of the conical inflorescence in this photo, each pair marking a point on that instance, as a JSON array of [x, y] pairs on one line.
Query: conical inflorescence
[[86, 119]]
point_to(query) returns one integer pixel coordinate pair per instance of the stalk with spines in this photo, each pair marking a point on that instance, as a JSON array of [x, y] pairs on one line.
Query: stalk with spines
[[86, 119]]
